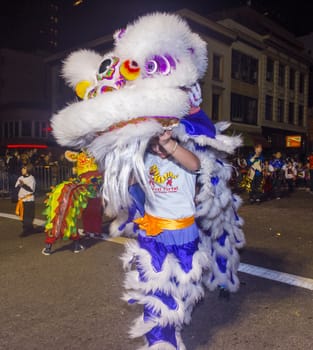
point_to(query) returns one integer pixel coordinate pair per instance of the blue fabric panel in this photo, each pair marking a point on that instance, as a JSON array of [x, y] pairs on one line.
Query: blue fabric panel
[[221, 262], [214, 180], [138, 197], [162, 334], [222, 238], [199, 124], [158, 250]]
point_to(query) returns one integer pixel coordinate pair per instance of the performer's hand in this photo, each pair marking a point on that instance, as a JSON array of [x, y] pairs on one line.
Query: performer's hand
[[165, 137]]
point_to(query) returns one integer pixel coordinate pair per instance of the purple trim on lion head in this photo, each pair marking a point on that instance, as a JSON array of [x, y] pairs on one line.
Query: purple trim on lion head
[[162, 64], [119, 34]]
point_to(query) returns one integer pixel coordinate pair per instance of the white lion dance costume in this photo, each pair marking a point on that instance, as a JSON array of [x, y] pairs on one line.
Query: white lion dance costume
[[148, 84]]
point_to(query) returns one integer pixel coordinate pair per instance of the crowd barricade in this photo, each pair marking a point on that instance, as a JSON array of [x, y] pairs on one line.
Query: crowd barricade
[[50, 175], [4, 183]]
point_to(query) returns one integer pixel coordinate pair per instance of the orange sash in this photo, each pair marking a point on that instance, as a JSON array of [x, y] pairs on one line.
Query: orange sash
[[154, 225], [19, 209]]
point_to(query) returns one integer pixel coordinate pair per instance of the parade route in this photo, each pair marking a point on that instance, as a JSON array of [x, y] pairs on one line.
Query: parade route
[[73, 301], [258, 271]]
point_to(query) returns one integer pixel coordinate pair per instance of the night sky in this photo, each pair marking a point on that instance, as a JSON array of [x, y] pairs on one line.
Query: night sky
[[94, 18], [98, 19]]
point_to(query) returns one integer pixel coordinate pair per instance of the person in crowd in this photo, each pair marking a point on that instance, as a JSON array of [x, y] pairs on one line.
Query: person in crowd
[[310, 163], [2, 164], [290, 174], [24, 158], [4, 180], [241, 167], [307, 175], [255, 175], [276, 167], [267, 180], [25, 207], [34, 156], [14, 165], [62, 161], [300, 180]]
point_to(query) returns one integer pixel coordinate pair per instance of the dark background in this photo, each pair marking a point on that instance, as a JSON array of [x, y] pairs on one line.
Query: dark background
[[26, 24]]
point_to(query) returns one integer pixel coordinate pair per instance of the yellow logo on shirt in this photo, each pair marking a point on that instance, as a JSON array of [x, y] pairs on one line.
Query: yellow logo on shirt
[[159, 179]]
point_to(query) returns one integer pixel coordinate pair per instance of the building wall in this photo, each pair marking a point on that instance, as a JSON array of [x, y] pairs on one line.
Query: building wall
[[24, 96], [221, 86], [263, 47], [23, 78]]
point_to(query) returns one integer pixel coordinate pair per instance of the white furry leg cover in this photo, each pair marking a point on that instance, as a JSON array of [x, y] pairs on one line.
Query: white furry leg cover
[[167, 281], [221, 227]]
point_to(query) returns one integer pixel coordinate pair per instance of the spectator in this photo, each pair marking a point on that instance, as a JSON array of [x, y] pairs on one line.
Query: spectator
[[255, 174], [25, 207], [33, 156], [267, 180], [310, 163], [14, 165], [300, 181], [276, 167], [2, 164], [290, 174]]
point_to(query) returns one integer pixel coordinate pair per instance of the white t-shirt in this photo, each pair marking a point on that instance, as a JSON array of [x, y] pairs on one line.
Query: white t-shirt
[[30, 182], [290, 172], [173, 188]]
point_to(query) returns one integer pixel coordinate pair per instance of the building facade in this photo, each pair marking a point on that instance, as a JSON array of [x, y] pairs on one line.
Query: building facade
[[258, 79], [24, 98]]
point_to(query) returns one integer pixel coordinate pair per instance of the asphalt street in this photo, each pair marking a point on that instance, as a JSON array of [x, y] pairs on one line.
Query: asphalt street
[[72, 301]]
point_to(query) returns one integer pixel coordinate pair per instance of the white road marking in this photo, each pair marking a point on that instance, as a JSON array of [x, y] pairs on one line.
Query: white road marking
[[15, 217], [273, 275], [278, 276]]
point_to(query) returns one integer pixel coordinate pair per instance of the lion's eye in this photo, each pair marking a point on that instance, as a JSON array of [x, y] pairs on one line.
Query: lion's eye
[[105, 65], [160, 64], [163, 64], [151, 67]]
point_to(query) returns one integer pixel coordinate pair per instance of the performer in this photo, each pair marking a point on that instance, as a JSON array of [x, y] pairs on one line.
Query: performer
[[137, 97], [70, 199], [169, 237]]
